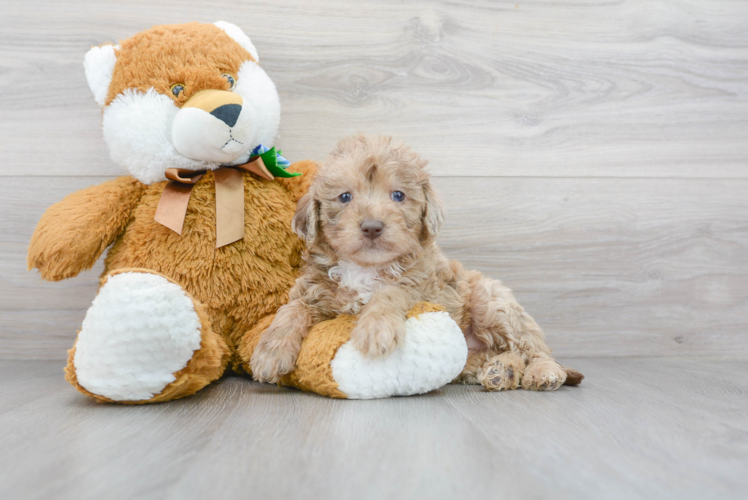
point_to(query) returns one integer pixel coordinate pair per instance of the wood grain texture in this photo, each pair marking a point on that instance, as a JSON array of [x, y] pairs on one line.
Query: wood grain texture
[[588, 88], [607, 266], [592, 154], [636, 428]]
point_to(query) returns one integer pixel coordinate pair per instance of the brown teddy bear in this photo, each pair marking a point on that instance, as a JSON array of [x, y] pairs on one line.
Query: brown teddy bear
[[202, 251]]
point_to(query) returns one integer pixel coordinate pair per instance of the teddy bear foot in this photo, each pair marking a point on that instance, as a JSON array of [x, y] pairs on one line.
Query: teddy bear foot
[[144, 339], [432, 353]]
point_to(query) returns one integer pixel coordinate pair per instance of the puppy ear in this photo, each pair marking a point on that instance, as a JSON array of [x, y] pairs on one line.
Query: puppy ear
[[306, 218], [433, 212]]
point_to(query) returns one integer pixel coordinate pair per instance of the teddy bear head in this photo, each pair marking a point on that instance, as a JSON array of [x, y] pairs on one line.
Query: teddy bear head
[[189, 96]]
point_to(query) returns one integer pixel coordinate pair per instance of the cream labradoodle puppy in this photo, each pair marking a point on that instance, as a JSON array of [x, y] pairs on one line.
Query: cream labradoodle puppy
[[370, 219]]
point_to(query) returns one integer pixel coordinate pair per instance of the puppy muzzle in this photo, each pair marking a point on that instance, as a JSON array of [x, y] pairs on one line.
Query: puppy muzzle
[[214, 125]]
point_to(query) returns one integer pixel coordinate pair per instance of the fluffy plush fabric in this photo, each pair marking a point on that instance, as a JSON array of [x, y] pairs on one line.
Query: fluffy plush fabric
[[193, 54], [99, 65], [239, 283], [235, 286], [73, 233], [140, 330], [433, 354], [239, 36], [206, 365], [137, 129], [133, 82], [259, 92]]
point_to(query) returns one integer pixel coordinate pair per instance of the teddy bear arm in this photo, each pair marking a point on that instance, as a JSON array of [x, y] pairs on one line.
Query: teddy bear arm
[[74, 232]]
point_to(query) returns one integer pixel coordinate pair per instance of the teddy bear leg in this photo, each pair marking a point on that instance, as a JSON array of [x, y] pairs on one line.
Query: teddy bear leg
[[144, 340], [432, 353]]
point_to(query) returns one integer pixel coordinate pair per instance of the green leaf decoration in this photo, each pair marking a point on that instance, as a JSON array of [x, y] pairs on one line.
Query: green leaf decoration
[[270, 159]]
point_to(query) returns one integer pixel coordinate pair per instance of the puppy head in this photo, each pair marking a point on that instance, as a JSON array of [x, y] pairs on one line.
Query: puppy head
[[370, 203]]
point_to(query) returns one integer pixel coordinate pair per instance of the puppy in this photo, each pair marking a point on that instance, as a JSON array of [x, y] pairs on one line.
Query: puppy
[[369, 220]]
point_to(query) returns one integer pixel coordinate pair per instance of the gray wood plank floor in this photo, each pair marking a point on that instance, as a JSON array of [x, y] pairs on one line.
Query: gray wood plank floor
[[636, 428]]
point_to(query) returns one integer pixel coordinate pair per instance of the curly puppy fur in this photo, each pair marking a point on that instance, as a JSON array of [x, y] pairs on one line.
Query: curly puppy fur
[[370, 219]]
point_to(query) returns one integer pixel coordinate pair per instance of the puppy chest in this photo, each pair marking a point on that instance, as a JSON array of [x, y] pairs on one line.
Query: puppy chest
[[358, 284]]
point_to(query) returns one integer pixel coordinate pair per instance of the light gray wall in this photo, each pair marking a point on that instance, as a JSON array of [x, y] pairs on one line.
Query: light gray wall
[[593, 155]]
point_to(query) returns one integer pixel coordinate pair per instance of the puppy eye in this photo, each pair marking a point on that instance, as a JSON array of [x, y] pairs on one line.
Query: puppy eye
[[230, 78], [345, 197], [397, 196], [177, 89]]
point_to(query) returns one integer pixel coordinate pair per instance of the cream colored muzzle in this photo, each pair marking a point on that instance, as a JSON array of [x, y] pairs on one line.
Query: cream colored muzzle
[[213, 125]]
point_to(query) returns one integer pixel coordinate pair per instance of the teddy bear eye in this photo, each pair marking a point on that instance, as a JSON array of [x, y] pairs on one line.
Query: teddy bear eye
[[177, 89], [230, 79], [345, 197], [397, 196]]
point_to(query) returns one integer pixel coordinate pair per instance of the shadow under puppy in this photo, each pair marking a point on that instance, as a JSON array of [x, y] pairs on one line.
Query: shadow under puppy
[[370, 219]]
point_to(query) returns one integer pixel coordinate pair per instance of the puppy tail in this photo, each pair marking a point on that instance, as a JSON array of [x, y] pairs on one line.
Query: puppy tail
[[573, 377]]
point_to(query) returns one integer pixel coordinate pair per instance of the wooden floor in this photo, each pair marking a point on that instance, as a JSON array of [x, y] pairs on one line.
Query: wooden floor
[[636, 428]]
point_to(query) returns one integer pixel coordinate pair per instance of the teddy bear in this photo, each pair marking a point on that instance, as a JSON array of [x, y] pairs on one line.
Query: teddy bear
[[201, 249]]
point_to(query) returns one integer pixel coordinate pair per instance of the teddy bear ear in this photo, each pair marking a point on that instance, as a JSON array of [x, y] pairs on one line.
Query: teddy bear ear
[[99, 66], [239, 37]]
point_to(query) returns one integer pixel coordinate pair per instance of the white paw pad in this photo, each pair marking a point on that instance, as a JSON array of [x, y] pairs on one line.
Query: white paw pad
[[139, 331], [431, 355]]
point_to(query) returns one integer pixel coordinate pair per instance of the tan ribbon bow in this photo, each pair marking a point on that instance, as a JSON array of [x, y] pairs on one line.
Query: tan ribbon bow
[[172, 208]]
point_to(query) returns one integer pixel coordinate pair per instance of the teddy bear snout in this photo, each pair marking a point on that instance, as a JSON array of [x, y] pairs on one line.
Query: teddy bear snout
[[228, 113], [214, 125]]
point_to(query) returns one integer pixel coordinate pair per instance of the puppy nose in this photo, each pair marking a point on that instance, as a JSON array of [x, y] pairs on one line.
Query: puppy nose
[[372, 228], [228, 113]]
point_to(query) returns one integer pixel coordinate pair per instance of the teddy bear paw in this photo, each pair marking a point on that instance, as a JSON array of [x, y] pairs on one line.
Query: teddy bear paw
[[140, 330], [432, 353]]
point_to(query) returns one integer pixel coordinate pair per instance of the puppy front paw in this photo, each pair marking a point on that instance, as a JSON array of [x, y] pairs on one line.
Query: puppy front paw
[[271, 360], [376, 337]]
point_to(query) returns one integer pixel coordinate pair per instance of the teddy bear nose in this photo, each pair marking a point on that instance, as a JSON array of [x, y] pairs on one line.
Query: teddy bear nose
[[228, 113], [372, 228]]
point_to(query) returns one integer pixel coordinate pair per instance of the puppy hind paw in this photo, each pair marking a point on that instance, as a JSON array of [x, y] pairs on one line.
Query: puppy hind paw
[[501, 373], [543, 375]]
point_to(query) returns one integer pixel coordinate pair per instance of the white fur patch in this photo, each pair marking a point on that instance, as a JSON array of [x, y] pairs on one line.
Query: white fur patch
[[362, 280], [139, 331], [99, 65], [137, 129], [259, 92], [432, 354], [239, 37]]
